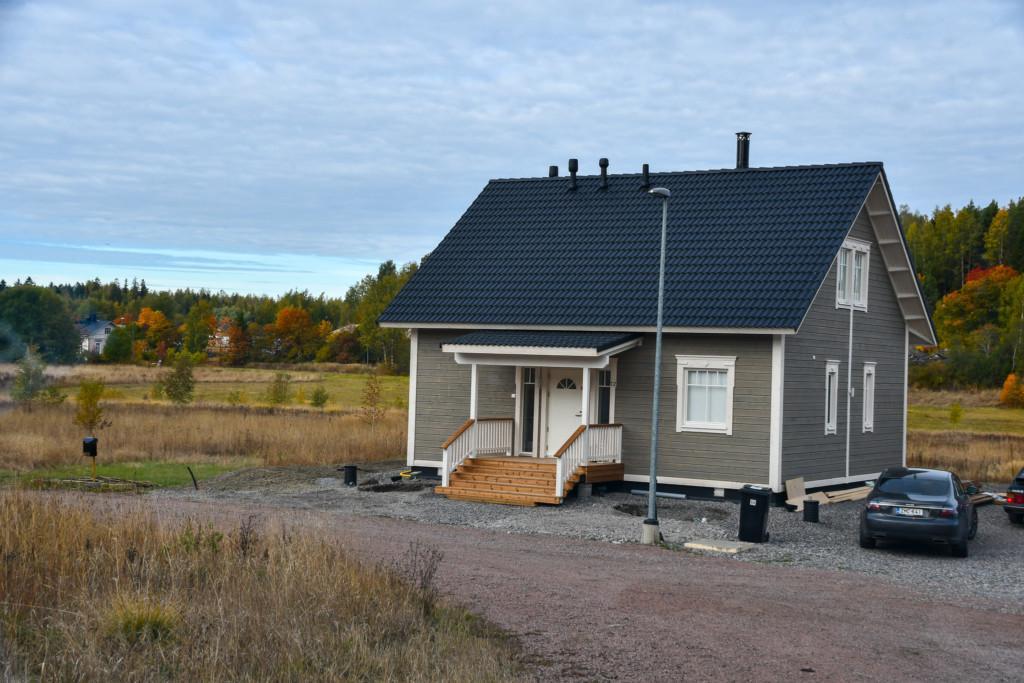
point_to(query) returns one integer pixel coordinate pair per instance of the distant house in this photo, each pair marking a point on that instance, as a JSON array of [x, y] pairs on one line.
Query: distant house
[[790, 304], [94, 334]]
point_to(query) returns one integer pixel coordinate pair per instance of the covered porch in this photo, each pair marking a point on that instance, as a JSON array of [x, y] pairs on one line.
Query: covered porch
[[563, 426]]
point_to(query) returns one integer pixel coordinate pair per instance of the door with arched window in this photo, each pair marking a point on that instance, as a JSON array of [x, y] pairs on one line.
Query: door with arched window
[[564, 405]]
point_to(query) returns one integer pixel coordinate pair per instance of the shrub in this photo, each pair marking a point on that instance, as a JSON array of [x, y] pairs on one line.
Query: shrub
[[30, 380], [279, 389], [373, 407], [179, 383], [319, 397], [236, 397], [88, 411], [956, 413], [1012, 394]]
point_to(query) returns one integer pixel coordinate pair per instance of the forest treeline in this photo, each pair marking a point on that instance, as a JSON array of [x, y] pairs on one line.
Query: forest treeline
[[968, 262], [233, 329]]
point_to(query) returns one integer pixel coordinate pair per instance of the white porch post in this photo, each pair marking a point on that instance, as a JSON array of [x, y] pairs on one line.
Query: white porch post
[[585, 412], [473, 396]]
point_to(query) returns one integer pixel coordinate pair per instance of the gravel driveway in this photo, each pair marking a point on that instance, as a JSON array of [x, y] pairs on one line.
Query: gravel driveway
[[993, 572]]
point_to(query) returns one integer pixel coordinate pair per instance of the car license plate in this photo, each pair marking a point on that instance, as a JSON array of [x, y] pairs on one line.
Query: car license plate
[[910, 512]]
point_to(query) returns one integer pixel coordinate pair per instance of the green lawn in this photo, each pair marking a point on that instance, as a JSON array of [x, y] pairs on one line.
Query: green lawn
[[159, 473], [982, 419]]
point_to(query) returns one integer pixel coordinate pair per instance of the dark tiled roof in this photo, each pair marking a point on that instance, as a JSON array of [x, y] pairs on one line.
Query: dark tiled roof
[[598, 341], [746, 248]]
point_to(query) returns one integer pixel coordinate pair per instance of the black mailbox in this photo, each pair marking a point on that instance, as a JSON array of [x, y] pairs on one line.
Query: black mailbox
[[89, 446]]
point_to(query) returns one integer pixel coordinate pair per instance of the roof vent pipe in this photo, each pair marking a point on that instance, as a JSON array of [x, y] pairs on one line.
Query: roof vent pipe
[[647, 176], [574, 165], [603, 163], [742, 149], [552, 171]]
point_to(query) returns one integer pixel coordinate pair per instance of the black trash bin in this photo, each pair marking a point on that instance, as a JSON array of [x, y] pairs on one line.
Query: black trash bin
[[754, 502], [811, 511], [89, 444], [350, 474]]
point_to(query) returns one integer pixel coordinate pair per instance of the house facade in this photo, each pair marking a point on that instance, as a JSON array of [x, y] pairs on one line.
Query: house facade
[[94, 334], [790, 304]]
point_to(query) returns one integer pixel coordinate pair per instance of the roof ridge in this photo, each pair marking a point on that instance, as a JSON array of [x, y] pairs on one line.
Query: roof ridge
[[653, 174]]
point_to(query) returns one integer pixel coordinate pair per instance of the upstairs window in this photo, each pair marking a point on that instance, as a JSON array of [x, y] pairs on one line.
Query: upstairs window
[[852, 275]]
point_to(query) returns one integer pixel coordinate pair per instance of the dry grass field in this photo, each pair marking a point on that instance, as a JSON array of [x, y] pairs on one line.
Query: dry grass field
[[47, 437], [90, 596]]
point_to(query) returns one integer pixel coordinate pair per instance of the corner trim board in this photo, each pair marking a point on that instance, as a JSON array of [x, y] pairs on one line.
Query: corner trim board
[[777, 410], [410, 456]]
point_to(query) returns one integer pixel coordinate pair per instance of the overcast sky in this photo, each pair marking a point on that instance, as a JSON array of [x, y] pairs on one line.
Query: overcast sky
[[262, 146]]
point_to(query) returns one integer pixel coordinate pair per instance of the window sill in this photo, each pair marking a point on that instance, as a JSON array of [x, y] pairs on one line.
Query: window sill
[[705, 429], [857, 307]]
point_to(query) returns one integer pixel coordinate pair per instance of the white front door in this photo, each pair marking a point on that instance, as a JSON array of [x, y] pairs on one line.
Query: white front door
[[565, 405]]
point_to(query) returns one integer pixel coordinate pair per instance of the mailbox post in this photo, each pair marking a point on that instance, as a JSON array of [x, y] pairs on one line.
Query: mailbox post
[[89, 450]]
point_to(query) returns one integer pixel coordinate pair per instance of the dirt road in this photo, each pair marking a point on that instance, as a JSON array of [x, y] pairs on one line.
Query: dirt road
[[587, 610]]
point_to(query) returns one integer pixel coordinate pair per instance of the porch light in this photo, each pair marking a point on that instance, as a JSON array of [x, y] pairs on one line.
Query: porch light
[[651, 531]]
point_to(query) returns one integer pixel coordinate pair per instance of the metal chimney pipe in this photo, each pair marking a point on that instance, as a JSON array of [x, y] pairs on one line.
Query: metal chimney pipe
[[574, 165], [647, 176], [603, 163], [743, 149], [552, 171]]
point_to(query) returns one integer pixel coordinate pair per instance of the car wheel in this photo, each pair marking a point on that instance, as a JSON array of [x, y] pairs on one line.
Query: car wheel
[[867, 541], [959, 549], [974, 526], [1016, 518]]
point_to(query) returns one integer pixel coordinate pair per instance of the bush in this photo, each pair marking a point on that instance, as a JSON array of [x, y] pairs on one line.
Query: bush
[[1012, 394], [319, 397], [279, 389], [236, 397], [956, 413], [179, 384], [30, 380], [88, 411], [932, 375]]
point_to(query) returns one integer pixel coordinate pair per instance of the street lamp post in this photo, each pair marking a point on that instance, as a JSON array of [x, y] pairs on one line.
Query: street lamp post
[[651, 532]]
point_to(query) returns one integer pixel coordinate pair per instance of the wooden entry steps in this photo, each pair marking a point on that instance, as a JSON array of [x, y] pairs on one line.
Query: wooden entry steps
[[507, 481]]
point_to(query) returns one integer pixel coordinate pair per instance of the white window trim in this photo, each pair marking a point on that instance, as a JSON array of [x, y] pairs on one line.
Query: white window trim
[[831, 399], [684, 363], [854, 245], [868, 410]]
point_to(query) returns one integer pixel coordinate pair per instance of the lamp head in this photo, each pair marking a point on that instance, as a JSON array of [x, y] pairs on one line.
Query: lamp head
[[662, 192]]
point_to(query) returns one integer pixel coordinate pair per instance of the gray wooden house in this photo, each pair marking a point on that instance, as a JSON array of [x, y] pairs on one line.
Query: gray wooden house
[[791, 300]]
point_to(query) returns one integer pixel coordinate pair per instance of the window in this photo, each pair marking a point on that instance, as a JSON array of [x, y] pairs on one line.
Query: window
[[528, 404], [705, 386], [852, 275], [869, 397], [566, 383], [831, 395], [604, 397]]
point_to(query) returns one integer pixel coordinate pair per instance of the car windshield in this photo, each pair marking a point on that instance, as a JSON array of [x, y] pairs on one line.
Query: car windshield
[[915, 488]]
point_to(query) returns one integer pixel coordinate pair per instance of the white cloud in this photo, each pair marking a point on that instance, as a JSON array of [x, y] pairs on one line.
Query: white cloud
[[364, 129]]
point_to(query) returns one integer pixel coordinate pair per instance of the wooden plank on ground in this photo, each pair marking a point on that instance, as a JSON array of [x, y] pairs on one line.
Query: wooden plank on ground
[[795, 492]]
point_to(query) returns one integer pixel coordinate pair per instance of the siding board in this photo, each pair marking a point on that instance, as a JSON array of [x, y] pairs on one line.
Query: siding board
[[741, 456], [878, 336]]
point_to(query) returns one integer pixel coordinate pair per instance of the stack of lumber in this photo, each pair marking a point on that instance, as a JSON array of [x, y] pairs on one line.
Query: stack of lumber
[[979, 497], [796, 494]]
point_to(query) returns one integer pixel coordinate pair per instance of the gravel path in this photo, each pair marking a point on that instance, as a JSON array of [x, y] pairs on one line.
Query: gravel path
[[993, 572], [588, 610]]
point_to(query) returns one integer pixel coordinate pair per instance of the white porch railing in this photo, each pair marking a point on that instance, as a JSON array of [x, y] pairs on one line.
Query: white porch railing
[[589, 443], [486, 436]]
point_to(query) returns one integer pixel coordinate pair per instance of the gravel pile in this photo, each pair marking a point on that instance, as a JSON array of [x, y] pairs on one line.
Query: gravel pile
[[993, 569]]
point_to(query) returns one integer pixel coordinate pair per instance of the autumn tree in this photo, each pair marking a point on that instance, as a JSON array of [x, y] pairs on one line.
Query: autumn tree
[[88, 410], [995, 237], [179, 382]]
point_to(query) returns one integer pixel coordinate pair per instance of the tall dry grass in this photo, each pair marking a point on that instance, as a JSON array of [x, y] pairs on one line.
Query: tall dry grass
[[89, 596], [990, 458], [46, 436]]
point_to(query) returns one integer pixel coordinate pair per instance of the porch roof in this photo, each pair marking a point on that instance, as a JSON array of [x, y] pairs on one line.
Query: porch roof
[[595, 342], [540, 347]]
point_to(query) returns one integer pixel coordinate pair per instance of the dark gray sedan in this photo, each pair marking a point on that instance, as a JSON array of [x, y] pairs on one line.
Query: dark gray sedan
[[919, 505]]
